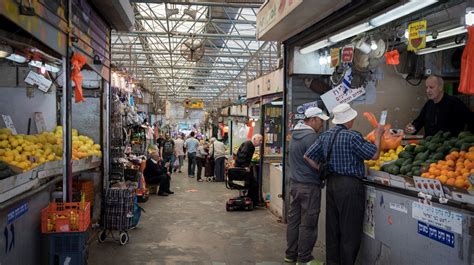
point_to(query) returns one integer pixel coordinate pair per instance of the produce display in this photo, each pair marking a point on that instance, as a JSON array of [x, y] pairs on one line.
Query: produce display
[[449, 159], [29, 151], [385, 157]]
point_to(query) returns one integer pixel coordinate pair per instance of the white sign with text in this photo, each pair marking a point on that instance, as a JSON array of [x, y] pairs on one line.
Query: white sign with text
[[339, 95]]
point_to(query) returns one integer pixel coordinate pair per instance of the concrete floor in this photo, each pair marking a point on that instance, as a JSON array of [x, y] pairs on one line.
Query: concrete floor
[[193, 227]]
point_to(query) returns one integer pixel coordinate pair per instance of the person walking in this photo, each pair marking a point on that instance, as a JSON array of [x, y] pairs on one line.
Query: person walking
[[218, 152], [167, 151], [305, 191], [191, 145], [201, 155], [179, 151], [345, 192]]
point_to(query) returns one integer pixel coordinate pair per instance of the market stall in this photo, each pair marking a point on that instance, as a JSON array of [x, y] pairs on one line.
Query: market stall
[[419, 197]]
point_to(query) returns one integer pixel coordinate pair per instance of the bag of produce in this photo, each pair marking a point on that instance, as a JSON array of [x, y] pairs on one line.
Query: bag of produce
[[391, 138]]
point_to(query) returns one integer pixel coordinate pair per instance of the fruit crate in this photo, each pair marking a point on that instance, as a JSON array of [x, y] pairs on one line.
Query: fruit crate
[[70, 247], [87, 187], [65, 217]]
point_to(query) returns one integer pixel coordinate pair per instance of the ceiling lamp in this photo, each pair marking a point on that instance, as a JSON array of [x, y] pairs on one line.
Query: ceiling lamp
[[446, 34], [16, 58], [469, 16], [440, 48], [5, 50], [389, 16]]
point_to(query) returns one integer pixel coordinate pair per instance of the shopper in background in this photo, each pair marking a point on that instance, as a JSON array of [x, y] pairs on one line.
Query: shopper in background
[[441, 112], [218, 152], [305, 191], [156, 172], [191, 144], [179, 151], [160, 140], [167, 151], [243, 159], [345, 193], [201, 154]]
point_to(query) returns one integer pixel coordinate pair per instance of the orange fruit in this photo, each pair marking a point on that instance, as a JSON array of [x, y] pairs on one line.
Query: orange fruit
[[432, 177], [444, 172], [432, 164], [432, 170], [450, 163], [439, 166], [471, 149], [443, 179], [466, 175], [449, 157], [459, 183], [450, 182], [461, 177], [470, 155], [437, 172], [451, 174], [455, 154], [444, 167], [425, 175], [472, 170], [441, 162], [459, 165], [462, 154]]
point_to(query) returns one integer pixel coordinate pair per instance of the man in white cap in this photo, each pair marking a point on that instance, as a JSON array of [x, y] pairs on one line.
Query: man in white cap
[[345, 151], [305, 191]]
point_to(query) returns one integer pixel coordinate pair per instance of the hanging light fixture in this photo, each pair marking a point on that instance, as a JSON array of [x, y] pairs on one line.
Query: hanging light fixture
[[43, 69], [373, 44], [441, 47]]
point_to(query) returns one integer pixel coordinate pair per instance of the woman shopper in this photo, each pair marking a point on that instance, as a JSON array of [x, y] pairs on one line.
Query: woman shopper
[[201, 154], [218, 152], [179, 150]]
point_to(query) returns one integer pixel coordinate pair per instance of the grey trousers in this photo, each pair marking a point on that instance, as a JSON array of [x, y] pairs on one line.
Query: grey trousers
[[302, 228], [219, 169], [345, 206]]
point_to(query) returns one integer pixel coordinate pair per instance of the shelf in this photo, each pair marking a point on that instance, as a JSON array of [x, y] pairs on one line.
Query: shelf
[[17, 184]]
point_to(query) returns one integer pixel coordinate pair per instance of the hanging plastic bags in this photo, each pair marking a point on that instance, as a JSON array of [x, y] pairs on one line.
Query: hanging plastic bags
[[466, 84], [391, 139], [77, 62]]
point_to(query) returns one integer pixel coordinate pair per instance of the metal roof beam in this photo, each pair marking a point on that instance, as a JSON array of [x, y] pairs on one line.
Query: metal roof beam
[[181, 67], [245, 55], [253, 4], [187, 35], [214, 20]]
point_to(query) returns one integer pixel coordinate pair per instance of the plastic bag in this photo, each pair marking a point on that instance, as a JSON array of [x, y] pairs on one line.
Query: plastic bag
[[391, 139], [466, 84], [77, 62], [176, 164]]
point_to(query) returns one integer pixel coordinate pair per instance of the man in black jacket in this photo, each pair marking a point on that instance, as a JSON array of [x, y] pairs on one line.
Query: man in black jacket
[[157, 173], [243, 159]]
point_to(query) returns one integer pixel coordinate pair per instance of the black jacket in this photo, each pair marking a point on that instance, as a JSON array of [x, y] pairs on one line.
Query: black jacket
[[244, 154], [154, 170], [448, 115]]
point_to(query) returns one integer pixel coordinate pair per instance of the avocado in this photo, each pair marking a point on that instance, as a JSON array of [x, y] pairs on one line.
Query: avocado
[[465, 146], [423, 142], [446, 134], [408, 161], [417, 162], [464, 134], [459, 143], [443, 149], [422, 156], [454, 149], [437, 140], [439, 134], [394, 170], [469, 139], [438, 156], [405, 154], [420, 149], [405, 169], [416, 172], [429, 138], [410, 148], [400, 161], [432, 146]]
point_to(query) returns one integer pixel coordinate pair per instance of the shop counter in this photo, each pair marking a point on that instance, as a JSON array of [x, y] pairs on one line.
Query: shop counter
[[403, 225]]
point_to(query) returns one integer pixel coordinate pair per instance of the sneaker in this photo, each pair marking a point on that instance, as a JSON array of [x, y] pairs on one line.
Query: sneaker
[[180, 171], [312, 262], [290, 261], [200, 180]]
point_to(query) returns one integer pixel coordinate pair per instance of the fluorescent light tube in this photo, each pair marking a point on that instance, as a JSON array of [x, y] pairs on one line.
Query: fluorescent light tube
[[448, 33], [351, 32], [440, 48], [315, 46], [401, 11]]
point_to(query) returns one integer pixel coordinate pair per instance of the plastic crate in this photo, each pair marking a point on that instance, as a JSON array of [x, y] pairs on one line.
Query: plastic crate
[[67, 242], [87, 187], [68, 258], [65, 217]]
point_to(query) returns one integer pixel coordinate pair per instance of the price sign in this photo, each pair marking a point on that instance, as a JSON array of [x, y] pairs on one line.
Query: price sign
[[37, 79], [40, 124], [347, 54], [9, 123]]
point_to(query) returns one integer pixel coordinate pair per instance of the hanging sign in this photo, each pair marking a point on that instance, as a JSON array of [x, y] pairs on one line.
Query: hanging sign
[[194, 103], [335, 57], [339, 95], [417, 35], [38, 79], [347, 54], [40, 124], [9, 123]]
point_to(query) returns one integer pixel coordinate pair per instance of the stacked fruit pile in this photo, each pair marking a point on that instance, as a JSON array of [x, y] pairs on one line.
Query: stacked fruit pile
[[454, 169], [416, 159], [29, 151], [384, 158]]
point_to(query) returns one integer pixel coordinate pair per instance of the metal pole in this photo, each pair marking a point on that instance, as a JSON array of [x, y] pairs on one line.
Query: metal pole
[[67, 115]]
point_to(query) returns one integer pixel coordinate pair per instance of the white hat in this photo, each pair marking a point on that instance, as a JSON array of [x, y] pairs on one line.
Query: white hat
[[343, 113], [315, 112]]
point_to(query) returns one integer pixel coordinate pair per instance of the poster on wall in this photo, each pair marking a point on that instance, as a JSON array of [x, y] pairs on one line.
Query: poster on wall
[[417, 35], [369, 215]]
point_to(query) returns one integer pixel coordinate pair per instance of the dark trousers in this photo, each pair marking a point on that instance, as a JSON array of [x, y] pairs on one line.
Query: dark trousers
[[345, 205], [170, 159], [219, 168], [253, 188], [162, 180], [201, 162], [302, 228], [191, 164]]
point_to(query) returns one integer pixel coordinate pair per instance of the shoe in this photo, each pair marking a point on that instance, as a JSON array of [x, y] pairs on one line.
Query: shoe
[[190, 176], [163, 194], [180, 171], [312, 262], [200, 180], [170, 192], [290, 261]]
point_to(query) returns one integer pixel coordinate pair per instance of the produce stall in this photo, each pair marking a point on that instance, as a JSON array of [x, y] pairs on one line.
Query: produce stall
[[419, 199]]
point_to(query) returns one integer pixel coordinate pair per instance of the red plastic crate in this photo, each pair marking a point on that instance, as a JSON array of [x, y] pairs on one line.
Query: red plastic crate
[[65, 217], [87, 187]]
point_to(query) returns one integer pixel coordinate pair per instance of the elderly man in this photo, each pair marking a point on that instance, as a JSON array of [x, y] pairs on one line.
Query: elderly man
[[305, 190], [243, 159], [218, 152], [441, 112], [156, 172], [345, 197]]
